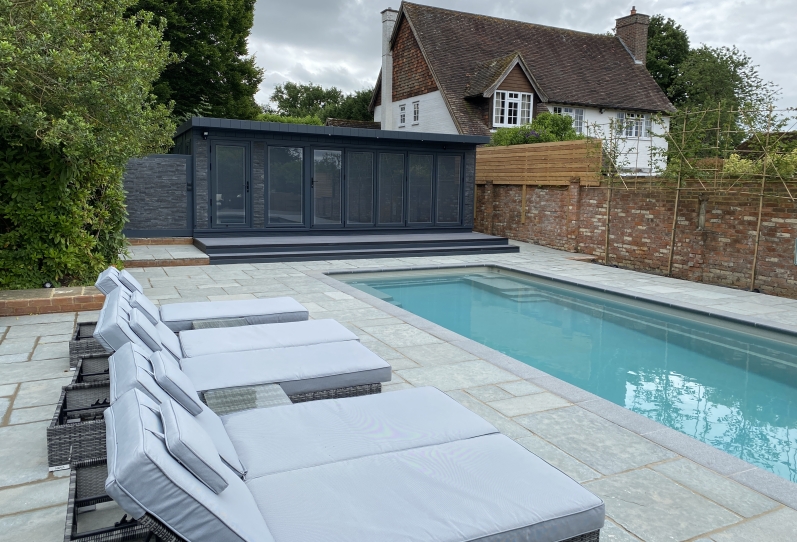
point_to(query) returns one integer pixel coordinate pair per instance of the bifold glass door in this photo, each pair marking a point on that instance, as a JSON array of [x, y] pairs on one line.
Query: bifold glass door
[[391, 188], [360, 189], [449, 187], [327, 184], [420, 188], [230, 185], [285, 186]]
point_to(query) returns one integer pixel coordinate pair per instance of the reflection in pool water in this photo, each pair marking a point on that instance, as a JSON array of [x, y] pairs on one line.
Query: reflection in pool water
[[733, 390]]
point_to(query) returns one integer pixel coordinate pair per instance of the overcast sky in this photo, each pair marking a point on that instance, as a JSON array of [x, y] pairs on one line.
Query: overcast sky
[[337, 42]]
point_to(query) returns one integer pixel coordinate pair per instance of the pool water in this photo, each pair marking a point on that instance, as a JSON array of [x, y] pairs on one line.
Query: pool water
[[719, 383]]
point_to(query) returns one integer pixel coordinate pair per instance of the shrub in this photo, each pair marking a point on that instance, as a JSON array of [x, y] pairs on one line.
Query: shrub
[[273, 117], [544, 128], [75, 104]]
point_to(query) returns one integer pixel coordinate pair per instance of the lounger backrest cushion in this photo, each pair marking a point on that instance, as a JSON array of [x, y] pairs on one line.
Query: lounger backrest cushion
[[139, 301], [130, 281], [143, 477], [108, 280], [113, 329], [169, 340], [131, 369], [176, 383], [142, 327], [192, 446]]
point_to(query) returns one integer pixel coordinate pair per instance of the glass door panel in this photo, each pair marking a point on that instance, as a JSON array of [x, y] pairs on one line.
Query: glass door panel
[[285, 175], [391, 188], [449, 180], [327, 174], [229, 185], [420, 190], [360, 188]]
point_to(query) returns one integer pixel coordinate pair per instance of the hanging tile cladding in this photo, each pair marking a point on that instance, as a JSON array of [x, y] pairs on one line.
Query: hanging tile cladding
[[411, 74], [156, 192], [258, 184], [574, 219]]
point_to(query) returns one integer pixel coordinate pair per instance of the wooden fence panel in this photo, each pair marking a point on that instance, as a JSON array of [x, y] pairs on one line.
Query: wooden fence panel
[[541, 163]]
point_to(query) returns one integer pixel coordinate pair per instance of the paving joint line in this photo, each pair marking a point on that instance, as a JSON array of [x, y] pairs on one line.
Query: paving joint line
[[7, 414]]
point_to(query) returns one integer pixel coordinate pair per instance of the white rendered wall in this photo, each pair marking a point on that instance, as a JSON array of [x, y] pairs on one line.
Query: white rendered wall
[[642, 155], [434, 116]]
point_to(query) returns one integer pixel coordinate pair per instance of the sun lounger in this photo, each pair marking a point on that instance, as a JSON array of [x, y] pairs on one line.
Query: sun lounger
[[181, 316], [410, 465], [119, 323], [303, 372]]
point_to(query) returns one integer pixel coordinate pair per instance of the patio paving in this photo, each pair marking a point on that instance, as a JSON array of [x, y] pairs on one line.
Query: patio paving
[[657, 484]]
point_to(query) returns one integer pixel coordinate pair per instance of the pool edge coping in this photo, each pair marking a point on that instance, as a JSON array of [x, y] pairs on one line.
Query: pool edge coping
[[717, 461]]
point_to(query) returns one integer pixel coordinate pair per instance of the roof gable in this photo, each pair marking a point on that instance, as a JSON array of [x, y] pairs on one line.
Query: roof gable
[[464, 51]]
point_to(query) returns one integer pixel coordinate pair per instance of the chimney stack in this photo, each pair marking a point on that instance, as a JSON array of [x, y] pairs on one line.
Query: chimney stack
[[633, 31], [388, 22]]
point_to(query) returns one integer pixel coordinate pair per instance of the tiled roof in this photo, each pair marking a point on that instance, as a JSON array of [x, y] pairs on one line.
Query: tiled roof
[[570, 67]]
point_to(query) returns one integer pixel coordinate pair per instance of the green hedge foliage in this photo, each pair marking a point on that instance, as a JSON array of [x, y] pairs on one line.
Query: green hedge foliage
[[544, 128], [273, 117], [75, 104]]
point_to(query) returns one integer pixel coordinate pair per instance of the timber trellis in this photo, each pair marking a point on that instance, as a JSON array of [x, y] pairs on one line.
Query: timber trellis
[[701, 145], [540, 164]]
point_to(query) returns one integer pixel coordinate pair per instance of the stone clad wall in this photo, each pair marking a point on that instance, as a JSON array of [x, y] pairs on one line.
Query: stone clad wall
[[157, 195], [574, 219]]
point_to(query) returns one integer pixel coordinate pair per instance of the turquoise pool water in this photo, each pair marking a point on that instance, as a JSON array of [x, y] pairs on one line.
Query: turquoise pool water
[[716, 382]]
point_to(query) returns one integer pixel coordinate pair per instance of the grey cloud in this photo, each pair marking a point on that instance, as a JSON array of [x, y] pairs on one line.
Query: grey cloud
[[337, 42]]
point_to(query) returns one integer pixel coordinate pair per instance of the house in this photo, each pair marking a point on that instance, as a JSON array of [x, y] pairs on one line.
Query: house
[[452, 72]]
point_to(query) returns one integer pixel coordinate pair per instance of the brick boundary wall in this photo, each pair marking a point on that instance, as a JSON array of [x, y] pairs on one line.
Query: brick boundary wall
[[50, 300], [573, 218]]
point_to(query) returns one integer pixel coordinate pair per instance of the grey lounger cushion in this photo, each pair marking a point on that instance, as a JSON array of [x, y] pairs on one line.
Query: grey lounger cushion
[[200, 342], [486, 488], [141, 302], [144, 477], [129, 369], [192, 446], [176, 383], [179, 316], [298, 369], [114, 329], [280, 439]]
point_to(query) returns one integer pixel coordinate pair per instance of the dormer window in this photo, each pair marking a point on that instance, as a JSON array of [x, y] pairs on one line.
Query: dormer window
[[511, 108]]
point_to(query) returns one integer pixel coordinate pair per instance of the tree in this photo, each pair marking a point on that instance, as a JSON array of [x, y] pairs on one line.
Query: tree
[[299, 100], [75, 104], [668, 47], [353, 107], [216, 73]]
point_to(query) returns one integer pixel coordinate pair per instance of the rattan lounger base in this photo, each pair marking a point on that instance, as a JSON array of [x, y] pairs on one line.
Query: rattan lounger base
[[87, 489], [83, 343]]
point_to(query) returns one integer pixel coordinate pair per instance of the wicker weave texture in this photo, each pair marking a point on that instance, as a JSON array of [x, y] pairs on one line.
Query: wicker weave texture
[[218, 322], [338, 393], [83, 343], [77, 429], [92, 368], [229, 400]]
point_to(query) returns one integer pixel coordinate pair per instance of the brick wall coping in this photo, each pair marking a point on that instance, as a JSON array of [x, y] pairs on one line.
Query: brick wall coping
[[50, 300]]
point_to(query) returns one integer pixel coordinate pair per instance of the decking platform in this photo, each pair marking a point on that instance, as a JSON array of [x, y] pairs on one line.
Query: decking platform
[[335, 247]]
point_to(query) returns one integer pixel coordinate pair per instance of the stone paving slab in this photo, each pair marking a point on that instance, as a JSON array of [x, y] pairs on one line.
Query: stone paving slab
[[658, 484]]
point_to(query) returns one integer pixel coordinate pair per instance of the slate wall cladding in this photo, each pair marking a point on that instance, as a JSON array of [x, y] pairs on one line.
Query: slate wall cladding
[[157, 195], [574, 219], [467, 192], [201, 188], [258, 184], [411, 73]]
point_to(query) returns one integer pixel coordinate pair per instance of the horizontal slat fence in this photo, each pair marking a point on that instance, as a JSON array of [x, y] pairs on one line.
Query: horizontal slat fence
[[541, 163]]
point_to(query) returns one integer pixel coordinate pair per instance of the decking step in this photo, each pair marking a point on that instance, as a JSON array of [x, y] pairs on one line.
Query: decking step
[[362, 252]]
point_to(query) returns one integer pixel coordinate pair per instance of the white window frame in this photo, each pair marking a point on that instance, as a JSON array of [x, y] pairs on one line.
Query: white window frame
[[575, 113], [634, 125], [416, 112], [402, 115], [511, 109]]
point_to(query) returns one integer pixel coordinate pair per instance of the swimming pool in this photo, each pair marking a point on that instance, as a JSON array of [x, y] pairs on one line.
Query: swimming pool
[[725, 384]]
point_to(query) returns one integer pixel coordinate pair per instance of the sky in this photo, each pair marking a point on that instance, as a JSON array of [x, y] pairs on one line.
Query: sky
[[338, 42]]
